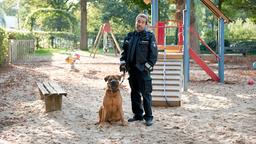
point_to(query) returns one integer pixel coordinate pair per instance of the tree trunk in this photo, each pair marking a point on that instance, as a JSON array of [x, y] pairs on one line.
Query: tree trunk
[[180, 6], [194, 42], [83, 38]]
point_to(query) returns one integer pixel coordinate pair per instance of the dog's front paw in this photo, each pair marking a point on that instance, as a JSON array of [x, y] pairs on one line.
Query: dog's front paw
[[100, 125], [124, 123]]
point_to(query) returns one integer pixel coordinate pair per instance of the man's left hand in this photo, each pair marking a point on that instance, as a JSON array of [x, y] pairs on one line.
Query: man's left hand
[[148, 67]]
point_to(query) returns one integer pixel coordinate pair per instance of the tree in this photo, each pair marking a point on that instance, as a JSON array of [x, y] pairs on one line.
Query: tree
[[240, 9], [9, 6], [83, 26], [121, 16], [2, 18], [49, 19], [55, 15]]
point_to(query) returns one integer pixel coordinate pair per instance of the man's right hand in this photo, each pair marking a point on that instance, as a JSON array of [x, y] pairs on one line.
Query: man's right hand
[[122, 68]]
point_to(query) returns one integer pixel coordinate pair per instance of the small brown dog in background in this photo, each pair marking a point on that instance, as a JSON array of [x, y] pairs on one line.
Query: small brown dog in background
[[112, 110]]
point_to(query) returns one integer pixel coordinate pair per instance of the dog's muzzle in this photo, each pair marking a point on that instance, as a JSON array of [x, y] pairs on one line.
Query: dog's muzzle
[[113, 84]]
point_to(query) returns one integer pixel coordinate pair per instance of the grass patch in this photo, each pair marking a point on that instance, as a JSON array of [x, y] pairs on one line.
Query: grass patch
[[51, 52], [101, 52], [48, 51]]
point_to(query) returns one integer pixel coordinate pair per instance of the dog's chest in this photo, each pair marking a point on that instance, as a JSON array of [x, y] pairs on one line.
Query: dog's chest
[[112, 102]]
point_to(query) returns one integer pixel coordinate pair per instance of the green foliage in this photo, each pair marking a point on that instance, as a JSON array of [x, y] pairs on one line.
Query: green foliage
[[2, 18], [207, 22], [166, 10], [3, 45], [240, 9], [119, 13], [44, 39], [139, 3], [51, 19], [47, 51], [94, 16], [9, 6], [56, 15], [241, 29], [20, 35], [65, 35]]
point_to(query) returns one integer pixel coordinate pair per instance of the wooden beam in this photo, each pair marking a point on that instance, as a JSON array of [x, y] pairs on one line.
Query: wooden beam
[[215, 10]]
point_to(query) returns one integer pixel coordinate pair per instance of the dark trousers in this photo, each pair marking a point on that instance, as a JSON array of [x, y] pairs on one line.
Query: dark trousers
[[141, 86]]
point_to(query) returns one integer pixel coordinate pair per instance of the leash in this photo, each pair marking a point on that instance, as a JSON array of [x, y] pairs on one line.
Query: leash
[[164, 71], [123, 75]]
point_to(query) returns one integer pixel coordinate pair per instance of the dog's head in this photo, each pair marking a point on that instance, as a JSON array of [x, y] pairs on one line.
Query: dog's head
[[113, 82]]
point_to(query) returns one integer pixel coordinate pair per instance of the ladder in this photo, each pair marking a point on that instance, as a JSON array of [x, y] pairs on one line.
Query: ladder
[[167, 77]]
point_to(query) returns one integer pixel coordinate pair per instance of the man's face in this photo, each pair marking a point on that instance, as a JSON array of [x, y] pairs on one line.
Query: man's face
[[140, 24]]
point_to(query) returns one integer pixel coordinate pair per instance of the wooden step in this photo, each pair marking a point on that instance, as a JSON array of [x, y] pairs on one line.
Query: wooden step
[[161, 101], [176, 63], [161, 55], [167, 93], [161, 72], [167, 67], [167, 88], [170, 48], [167, 77], [159, 82], [169, 60]]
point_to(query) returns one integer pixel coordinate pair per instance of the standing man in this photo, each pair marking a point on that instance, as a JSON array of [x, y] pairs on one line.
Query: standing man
[[138, 58]]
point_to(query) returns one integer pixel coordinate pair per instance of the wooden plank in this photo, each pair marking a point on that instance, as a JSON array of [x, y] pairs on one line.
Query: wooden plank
[[167, 77], [167, 93], [161, 72], [169, 60], [57, 88], [161, 101], [42, 88], [116, 43], [167, 67], [161, 56], [49, 88], [176, 63], [166, 82], [167, 88], [215, 10], [173, 48]]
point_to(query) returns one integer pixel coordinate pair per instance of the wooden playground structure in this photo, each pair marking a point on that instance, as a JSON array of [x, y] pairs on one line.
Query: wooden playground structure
[[171, 73], [102, 35]]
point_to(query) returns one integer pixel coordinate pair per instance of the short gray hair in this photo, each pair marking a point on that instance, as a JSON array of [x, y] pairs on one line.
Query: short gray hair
[[142, 15]]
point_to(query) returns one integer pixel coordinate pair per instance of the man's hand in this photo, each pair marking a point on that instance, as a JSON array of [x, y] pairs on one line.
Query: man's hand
[[122, 68], [148, 67]]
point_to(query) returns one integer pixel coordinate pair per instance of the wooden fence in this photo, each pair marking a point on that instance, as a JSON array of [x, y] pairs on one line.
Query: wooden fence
[[20, 50]]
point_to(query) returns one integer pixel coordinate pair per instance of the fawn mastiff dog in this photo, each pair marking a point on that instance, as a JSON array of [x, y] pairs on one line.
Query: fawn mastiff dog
[[112, 110]]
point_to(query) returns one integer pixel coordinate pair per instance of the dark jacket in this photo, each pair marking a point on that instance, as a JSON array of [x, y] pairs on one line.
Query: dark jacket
[[139, 48]]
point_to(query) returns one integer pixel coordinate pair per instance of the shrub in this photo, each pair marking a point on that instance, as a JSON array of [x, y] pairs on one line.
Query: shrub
[[3, 45], [241, 29]]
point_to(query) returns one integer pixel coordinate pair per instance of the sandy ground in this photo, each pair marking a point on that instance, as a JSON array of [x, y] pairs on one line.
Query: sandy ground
[[210, 113]]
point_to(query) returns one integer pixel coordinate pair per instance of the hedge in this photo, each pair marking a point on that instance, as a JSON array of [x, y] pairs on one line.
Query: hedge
[[3, 45]]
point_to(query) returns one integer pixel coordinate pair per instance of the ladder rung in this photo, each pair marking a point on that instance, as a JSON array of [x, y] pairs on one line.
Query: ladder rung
[[167, 77], [167, 93], [177, 63], [167, 88], [159, 82], [161, 72], [167, 67]]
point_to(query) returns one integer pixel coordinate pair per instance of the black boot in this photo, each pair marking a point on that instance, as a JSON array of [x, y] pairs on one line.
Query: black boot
[[149, 122], [135, 119]]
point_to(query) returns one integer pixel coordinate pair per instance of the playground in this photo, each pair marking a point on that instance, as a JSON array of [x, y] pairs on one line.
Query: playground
[[52, 85], [211, 112]]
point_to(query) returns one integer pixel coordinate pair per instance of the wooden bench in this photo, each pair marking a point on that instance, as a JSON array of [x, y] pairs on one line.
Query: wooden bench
[[52, 94]]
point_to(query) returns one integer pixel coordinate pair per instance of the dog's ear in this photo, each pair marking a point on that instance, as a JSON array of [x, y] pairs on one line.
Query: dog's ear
[[106, 78]]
